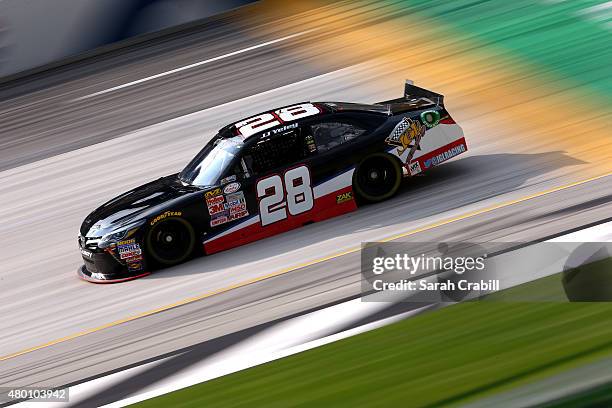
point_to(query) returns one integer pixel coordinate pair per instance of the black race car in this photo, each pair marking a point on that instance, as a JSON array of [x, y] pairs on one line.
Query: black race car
[[268, 174]]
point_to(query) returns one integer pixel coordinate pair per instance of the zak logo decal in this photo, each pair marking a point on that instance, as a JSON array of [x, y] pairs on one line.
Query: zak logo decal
[[344, 197], [404, 134]]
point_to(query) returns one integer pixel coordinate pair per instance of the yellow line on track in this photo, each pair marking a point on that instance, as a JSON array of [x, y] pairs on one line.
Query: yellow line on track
[[302, 265]]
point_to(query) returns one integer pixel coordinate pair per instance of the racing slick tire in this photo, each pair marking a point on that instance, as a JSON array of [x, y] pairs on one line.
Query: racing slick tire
[[377, 177], [171, 241]]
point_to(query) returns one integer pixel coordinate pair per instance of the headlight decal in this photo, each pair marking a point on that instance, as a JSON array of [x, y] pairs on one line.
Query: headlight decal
[[122, 233]]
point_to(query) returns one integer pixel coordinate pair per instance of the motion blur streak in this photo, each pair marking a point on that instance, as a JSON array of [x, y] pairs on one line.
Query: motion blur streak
[[508, 96], [194, 65], [529, 129]]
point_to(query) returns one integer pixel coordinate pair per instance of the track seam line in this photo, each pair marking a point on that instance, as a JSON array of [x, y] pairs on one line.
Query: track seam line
[[300, 266], [194, 65]]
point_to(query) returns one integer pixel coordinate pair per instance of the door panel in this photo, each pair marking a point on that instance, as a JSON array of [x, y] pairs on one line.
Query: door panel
[[285, 189]]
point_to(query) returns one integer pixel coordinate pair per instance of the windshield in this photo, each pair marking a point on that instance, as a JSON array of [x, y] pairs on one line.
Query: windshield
[[208, 165]]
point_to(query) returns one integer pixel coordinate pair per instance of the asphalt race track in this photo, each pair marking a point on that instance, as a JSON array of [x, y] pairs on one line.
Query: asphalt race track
[[68, 144]]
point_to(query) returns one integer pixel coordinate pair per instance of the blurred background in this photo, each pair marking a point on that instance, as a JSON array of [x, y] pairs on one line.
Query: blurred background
[[97, 97], [39, 32]]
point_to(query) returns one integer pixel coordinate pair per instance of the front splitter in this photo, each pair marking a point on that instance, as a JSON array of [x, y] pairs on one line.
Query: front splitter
[[102, 278]]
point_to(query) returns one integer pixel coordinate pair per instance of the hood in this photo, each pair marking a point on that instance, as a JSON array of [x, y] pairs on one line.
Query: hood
[[133, 205]]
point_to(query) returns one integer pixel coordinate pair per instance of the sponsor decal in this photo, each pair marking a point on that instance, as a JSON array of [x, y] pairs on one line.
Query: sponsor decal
[[232, 208], [407, 133], [228, 179], [217, 208], [215, 200], [166, 215], [439, 158], [86, 253], [231, 188], [134, 263], [235, 199], [310, 144], [212, 193], [216, 205], [414, 168], [239, 214], [130, 254], [430, 118], [98, 276], [129, 249], [238, 210], [218, 220], [236, 205], [344, 197]]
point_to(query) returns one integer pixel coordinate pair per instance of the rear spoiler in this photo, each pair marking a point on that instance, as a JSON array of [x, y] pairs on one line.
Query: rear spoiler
[[416, 95], [412, 91]]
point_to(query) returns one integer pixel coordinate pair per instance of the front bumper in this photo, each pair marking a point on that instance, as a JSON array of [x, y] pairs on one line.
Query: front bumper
[[108, 267], [98, 277]]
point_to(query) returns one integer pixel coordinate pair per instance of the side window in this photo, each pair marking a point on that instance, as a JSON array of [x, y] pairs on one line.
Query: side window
[[328, 135], [273, 153]]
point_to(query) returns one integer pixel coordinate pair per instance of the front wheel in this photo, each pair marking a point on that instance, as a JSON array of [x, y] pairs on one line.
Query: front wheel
[[377, 177], [170, 241]]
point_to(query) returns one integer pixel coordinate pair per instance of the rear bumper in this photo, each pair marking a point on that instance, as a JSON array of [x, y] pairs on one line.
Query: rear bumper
[[437, 156], [99, 277]]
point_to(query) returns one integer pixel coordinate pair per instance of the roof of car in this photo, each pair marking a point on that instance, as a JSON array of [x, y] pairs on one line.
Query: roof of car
[[324, 107], [348, 106]]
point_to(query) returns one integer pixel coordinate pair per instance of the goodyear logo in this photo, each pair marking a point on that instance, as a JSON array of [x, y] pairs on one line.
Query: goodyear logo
[[166, 215], [344, 197]]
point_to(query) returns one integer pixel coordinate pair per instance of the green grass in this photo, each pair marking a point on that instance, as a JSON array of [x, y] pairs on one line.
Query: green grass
[[447, 357]]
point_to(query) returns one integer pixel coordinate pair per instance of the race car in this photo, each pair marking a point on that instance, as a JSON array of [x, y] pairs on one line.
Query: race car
[[268, 174]]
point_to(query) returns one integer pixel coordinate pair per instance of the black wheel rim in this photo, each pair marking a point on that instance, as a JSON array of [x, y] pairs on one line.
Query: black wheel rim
[[170, 240], [376, 176]]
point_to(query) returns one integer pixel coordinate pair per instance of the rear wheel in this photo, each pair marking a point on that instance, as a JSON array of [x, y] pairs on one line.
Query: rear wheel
[[170, 241], [377, 177]]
